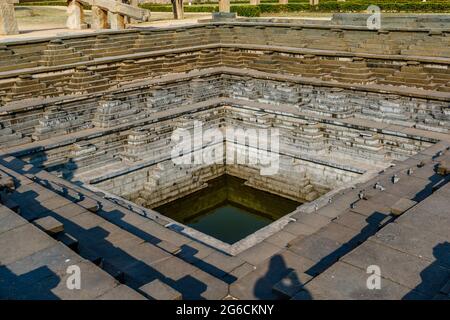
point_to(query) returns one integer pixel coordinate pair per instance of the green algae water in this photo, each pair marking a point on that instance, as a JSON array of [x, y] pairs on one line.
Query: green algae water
[[227, 209]]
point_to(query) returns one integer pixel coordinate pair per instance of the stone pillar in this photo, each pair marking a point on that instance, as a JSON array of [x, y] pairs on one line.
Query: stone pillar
[[99, 18], [134, 3], [75, 19], [126, 19], [177, 8], [224, 6], [117, 21], [255, 2], [283, 1], [314, 2], [8, 22]]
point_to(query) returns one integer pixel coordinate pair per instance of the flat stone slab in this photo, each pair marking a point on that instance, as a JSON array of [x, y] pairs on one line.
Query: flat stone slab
[[68, 240], [415, 241], [281, 238], [49, 225], [21, 242], [401, 206], [312, 219], [51, 261], [340, 233], [409, 187], [437, 202], [33, 193], [4, 211], [194, 251], [219, 264], [359, 222], [122, 292], [339, 204], [169, 247], [315, 247], [242, 270], [410, 271], [220, 16], [200, 285], [158, 290], [174, 268], [377, 204], [89, 204], [154, 229], [94, 283], [12, 205], [109, 233], [31, 209], [10, 220], [259, 283], [437, 222], [259, 252], [135, 261], [69, 210], [299, 229], [344, 281], [43, 275]]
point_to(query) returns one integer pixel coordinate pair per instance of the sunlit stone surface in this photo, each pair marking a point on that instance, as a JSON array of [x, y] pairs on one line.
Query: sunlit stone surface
[[8, 22], [356, 174]]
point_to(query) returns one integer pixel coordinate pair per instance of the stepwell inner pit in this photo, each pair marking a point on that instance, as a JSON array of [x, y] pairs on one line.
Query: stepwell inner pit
[[227, 209]]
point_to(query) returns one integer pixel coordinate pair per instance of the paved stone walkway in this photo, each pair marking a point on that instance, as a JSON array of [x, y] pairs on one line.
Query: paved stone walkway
[[133, 249], [33, 265], [321, 255]]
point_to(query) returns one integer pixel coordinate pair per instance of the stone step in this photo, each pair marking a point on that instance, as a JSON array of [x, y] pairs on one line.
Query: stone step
[[49, 225], [401, 206], [67, 240], [158, 290], [35, 251]]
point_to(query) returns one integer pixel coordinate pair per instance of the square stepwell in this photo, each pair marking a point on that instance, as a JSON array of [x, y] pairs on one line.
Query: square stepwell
[[227, 209]]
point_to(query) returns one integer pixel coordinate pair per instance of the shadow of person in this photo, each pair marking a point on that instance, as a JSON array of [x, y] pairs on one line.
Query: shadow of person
[[435, 276], [196, 288], [279, 282]]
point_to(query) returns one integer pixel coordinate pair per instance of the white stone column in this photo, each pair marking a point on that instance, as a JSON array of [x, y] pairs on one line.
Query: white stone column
[[314, 2], [116, 21], [134, 3], [99, 18], [177, 8], [224, 6], [75, 19], [255, 2], [8, 22]]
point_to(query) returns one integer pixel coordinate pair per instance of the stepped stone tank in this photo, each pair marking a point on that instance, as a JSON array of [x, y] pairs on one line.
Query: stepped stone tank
[[362, 120]]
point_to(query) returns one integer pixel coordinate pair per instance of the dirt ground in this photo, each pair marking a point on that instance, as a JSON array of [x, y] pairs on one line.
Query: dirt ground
[[39, 21]]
